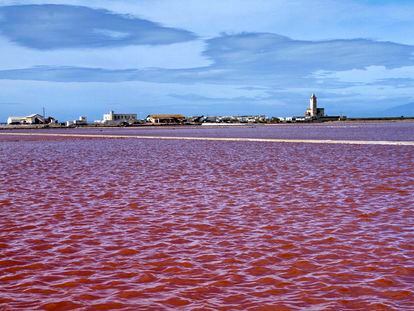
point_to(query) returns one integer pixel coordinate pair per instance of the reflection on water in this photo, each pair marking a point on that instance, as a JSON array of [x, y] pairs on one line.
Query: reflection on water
[[148, 224]]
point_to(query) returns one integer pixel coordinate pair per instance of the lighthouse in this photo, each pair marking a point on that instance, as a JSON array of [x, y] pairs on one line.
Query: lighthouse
[[313, 106], [313, 111]]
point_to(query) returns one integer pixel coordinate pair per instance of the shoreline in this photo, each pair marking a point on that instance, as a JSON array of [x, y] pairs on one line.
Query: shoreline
[[204, 125]]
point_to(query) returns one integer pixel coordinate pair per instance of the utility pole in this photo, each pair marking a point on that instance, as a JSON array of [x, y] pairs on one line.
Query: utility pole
[[44, 114]]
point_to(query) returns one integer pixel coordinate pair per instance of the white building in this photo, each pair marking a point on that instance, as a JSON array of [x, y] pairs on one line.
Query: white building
[[79, 122], [31, 119], [313, 111], [119, 118]]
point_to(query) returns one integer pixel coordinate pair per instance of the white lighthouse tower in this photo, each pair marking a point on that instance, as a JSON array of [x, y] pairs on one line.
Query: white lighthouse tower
[[313, 106], [313, 112]]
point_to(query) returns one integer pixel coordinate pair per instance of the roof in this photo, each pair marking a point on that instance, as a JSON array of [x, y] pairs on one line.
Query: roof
[[166, 116], [34, 115]]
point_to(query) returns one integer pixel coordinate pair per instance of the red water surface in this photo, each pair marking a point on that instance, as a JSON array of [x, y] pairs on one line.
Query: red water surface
[[99, 224], [395, 131]]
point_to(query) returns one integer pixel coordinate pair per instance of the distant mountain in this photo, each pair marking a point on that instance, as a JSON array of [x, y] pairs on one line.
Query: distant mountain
[[406, 110]]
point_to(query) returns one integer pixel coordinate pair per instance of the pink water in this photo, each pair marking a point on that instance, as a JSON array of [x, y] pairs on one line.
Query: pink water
[[135, 224], [398, 131]]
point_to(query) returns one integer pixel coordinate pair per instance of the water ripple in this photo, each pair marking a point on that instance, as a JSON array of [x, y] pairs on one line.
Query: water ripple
[[120, 224]]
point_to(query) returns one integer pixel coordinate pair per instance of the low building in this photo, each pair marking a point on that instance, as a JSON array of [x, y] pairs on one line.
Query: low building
[[287, 119], [195, 120], [16, 120], [236, 119], [211, 119], [82, 121], [252, 119], [51, 120], [165, 118], [31, 119], [300, 119], [113, 118]]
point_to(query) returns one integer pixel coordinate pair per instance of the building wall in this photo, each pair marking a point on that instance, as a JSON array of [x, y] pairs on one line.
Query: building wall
[[35, 119], [313, 111], [165, 119], [16, 120], [119, 117], [313, 105]]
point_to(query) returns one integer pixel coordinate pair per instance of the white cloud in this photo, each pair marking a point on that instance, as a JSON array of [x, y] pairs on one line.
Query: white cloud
[[179, 55], [299, 19], [247, 58], [370, 74], [56, 27]]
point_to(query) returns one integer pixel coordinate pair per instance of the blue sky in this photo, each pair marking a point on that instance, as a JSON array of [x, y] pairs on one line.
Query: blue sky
[[77, 57]]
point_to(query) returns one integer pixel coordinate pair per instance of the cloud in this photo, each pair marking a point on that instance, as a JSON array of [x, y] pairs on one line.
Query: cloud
[[250, 59], [370, 74], [272, 53], [49, 27], [69, 74], [177, 55], [207, 99]]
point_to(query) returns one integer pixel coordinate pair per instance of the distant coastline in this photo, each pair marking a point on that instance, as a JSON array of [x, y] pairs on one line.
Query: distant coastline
[[313, 114], [204, 125]]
